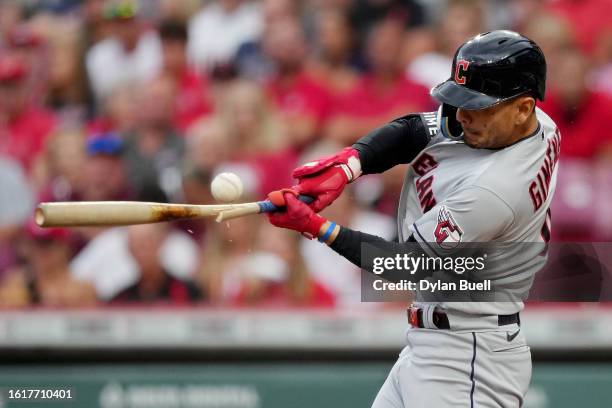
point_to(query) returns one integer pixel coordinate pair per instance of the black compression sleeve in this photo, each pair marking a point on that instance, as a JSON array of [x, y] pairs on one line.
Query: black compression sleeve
[[397, 142], [348, 244]]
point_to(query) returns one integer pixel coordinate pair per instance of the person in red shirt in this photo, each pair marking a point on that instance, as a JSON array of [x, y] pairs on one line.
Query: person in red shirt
[[332, 62], [383, 93], [191, 99], [580, 114], [24, 127], [155, 283], [590, 20], [578, 111], [303, 102]]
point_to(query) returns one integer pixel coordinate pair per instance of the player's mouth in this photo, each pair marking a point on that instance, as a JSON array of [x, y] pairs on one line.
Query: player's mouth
[[471, 132]]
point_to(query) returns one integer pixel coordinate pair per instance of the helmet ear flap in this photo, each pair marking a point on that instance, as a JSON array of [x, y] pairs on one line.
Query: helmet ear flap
[[447, 120]]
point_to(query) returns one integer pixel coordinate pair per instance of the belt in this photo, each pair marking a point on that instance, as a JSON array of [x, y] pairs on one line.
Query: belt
[[440, 318]]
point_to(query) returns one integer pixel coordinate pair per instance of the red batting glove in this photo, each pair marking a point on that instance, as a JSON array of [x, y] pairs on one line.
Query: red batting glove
[[325, 179], [297, 215]]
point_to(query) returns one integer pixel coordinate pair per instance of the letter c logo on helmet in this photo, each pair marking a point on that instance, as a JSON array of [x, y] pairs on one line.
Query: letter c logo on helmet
[[461, 71], [502, 65]]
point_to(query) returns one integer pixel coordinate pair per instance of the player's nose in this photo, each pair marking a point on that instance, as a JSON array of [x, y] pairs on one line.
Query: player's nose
[[463, 116]]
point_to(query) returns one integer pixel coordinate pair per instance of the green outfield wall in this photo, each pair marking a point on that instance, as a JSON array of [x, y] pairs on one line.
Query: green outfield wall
[[256, 385]]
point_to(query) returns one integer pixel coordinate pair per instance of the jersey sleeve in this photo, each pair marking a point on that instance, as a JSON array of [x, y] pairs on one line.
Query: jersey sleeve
[[474, 215], [397, 142]]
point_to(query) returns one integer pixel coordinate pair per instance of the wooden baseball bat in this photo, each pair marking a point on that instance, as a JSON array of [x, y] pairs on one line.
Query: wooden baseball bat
[[109, 213]]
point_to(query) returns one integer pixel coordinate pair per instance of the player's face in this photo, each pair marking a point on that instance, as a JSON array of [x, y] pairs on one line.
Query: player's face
[[496, 126]]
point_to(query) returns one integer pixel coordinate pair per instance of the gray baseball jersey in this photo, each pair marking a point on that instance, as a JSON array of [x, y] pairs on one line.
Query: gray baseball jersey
[[453, 194], [456, 194]]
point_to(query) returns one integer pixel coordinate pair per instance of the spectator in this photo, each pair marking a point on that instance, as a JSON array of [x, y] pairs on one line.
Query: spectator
[[113, 260], [224, 246], [251, 61], [577, 110], [551, 33], [117, 113], [45, 279], [334, 53], [68, 91], [275, 274], [31, 48], [191, 98], [11, 15], [521, 11], [24, 126], [240, 22], [153, 151], [16, 205], [97, 26], [301, 101], [59, 173], [208, 146], [105, 170], [155, 283], [259, 138], [384, 93], [586, 142], [365, 14], [589, 19], [131, 55], [462, 19]]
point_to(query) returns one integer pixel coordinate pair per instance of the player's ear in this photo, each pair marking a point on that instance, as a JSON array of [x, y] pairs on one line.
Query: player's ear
[[525, 105]]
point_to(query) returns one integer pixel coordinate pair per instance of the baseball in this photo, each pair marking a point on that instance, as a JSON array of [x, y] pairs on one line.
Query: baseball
[[226, 187]]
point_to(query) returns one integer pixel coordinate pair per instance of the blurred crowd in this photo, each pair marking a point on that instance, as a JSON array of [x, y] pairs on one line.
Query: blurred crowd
[[148, 100]]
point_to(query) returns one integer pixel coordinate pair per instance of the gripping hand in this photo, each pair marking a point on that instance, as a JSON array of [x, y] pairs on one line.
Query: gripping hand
[[326, 178]]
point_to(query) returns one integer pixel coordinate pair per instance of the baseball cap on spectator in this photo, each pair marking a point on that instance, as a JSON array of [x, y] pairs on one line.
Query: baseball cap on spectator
[[12, 68], [121, 10], [109, 144]]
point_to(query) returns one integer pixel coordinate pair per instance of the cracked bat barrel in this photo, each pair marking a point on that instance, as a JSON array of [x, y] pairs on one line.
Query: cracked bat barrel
[[114, 213]]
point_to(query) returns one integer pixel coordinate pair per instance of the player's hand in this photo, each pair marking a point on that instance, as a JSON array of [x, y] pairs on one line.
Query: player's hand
[[296, 215], [326, 178]]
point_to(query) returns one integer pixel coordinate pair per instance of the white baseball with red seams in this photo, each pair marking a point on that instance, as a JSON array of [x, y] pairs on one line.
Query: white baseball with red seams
[[226, 187]]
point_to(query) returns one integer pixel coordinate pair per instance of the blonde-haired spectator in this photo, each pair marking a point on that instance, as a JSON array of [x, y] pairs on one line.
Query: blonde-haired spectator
[[251, 120], [224, 245], [260, 145]]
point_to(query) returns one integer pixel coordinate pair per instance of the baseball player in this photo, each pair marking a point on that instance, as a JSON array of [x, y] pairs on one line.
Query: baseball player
[[482, 169]]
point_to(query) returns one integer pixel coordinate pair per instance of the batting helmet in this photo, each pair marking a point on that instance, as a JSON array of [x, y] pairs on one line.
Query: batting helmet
[[491, 68]]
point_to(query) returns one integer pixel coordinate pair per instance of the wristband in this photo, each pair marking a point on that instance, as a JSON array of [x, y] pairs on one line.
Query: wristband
[[328, 233]]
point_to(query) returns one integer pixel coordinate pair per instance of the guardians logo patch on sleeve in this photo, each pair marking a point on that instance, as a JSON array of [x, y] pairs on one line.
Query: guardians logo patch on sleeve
[[448, 233]]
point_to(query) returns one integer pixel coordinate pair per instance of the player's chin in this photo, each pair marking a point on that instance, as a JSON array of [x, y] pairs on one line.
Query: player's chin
[[473, 143]]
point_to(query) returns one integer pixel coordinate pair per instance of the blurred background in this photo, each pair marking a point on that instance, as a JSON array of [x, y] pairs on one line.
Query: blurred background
[[148, 100]]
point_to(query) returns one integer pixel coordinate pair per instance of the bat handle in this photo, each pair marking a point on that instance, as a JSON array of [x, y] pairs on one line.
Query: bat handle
[[259, 207], [266, 206]]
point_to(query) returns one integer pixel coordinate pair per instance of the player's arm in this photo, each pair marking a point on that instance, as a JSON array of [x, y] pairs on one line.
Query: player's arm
[[345, 241], [397, 142], [459, 219]]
